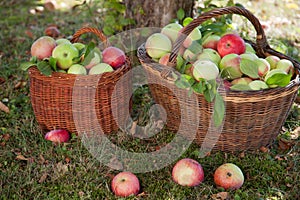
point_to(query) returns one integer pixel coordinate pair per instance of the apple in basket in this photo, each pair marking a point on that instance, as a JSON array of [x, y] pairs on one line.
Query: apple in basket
[[65, 53], [193, 36], [125, 184], [211, 42], [77, 69], [205, 69], [100, 68], [229, 176], [188, 172], [158, 45], [113, 56], [210, 54], [272, 61], [171, 31], [43, 47], [58, 135], [285, 65], [230, 66], [231, 43]]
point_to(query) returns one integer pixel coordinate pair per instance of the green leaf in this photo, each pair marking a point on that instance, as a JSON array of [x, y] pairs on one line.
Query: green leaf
[[44, 67], [52, 62], [249, 68], [279, 79], [89, 48], [185, 81], [187, 21], [240, 87], [33, 59], [26, 65], [209, 93], [180, 14], [199, 87], [219, 110]]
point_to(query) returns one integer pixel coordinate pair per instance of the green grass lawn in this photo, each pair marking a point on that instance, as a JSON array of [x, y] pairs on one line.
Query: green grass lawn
[[33, 168]]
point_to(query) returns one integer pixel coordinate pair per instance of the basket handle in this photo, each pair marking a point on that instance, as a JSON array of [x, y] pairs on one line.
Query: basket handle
[[84, 30], [261, 46]]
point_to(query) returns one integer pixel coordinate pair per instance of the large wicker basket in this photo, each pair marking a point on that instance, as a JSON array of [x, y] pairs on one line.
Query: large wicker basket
[[53, 98], [252, 118]]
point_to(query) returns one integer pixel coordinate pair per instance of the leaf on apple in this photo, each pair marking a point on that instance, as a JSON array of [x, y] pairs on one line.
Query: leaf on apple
[[240, 87], [279, 79], [185, 81], [44, 67], [249, 68]]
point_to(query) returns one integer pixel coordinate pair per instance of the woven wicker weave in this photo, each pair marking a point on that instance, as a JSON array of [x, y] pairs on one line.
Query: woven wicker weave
[[52, 96], [252, 119]]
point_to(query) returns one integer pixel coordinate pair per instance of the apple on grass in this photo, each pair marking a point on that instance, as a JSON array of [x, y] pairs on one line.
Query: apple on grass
[[100, 68], [229, 176], [188, 172], [231, 43], [58, 136], [113, 56], [205, 69], [42, 48], [77, 69], [65, 53], [125, 184], [158, 45]]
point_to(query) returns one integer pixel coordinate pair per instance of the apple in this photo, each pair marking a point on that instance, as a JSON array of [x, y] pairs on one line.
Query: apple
[[101, 68], [263, 66], [171, 31], [211, 42], [114, 56], [272, 73], [285, 65], [62, 41], [231, 43], [193, 36], [188, 69], [94, 61], [188, 172], [52, 31], [205, 69], [249, 56], [125, 184], [58, 135], [65, 53], [242, 80], [165, 59], [249, 48], [158, 45], [79, 46], [258, 85], [272, 61], [229, 176], [210, 54], [230, 66], [77, 69], [189, 55], [43, 47]]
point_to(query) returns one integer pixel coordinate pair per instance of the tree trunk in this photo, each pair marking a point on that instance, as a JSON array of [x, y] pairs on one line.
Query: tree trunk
[[158, 13]]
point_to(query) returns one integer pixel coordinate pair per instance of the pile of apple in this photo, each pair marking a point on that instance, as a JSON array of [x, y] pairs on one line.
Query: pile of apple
[[227, 56], [186, 172], [77, 58]]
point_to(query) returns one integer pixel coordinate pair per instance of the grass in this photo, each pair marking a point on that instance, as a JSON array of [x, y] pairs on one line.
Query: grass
[[32, 168]]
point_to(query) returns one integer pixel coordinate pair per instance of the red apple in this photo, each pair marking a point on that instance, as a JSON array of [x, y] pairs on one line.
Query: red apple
[[231, 43], [230, 66], [125, 184], [58, 135], [113, 56], [273, 60], [188, 172], [229, 176], [43, 47]]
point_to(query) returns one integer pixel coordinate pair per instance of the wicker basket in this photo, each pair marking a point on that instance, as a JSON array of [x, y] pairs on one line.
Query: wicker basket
[[53, 99], [252, 118]]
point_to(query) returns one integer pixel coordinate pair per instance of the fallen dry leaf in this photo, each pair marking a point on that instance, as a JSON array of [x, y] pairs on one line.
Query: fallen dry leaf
[[4, 107], [21, 157], [43, 178], [285, 144], [29, 33], [221, 196], [2, 80], [264, 149]]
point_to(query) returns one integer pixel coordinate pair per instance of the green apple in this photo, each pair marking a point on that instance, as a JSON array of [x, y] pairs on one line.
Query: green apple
[[242, 81], [230, 66], [62, 41], [263, 66], [285, 65], [205, 69], [249, 48], [101, 68], [158, 45], [249, 56], [65, 53], [171, 30], [79, 45], [273, 60], [193, 36], [77, 69], [210, 54], [258, 85]]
